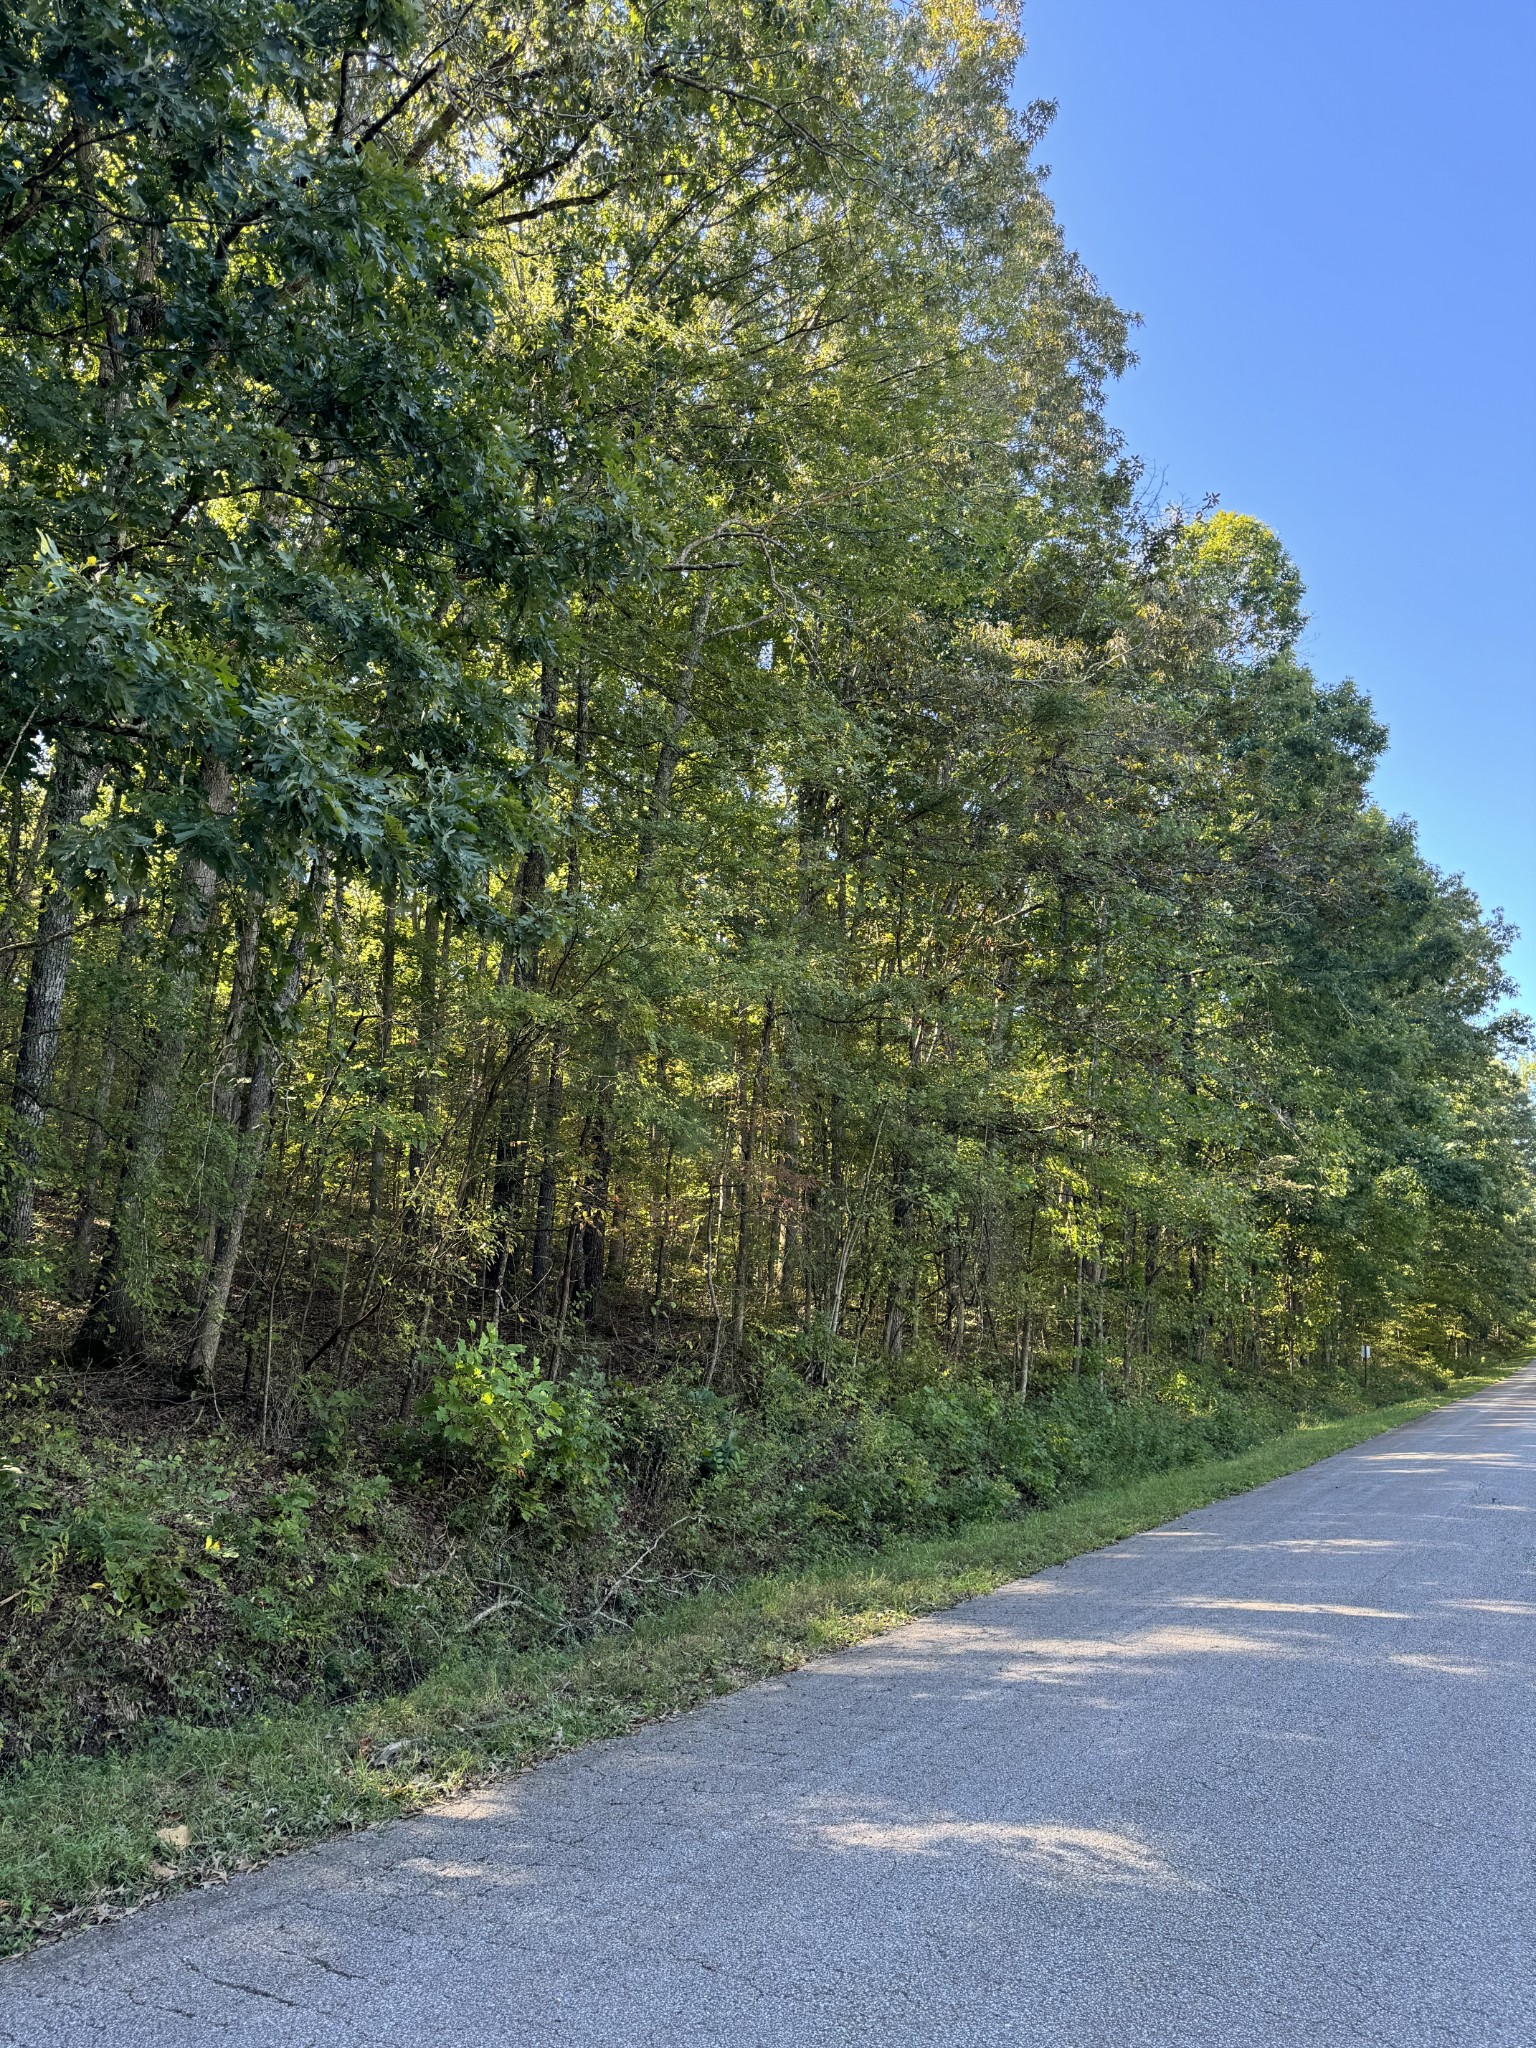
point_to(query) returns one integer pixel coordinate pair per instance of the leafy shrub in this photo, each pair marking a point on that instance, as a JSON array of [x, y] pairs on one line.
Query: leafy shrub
[[135, 1566], [173, 1567], [804, 1470], [334, 1421], [540, 1443], [185, 1576]]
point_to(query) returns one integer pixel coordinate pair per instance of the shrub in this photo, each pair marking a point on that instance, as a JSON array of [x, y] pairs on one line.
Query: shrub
[[540, 1444]]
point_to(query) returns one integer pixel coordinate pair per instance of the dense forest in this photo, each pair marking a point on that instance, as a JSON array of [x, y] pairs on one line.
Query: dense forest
[[638, 872]]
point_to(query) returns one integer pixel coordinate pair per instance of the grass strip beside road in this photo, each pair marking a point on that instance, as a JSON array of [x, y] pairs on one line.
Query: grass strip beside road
[[86, 1838]]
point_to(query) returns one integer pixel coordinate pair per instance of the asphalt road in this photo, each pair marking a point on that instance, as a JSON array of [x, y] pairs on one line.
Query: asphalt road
[[1262, 1776]]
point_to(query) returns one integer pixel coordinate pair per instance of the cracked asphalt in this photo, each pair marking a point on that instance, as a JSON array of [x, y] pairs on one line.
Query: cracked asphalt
[[1261, 1776]]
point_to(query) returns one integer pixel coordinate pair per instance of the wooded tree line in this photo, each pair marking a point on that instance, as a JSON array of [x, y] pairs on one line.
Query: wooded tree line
[[598, 740]]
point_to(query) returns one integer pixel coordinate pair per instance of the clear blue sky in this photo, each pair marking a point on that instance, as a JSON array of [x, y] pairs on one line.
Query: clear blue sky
[[1325, 212]]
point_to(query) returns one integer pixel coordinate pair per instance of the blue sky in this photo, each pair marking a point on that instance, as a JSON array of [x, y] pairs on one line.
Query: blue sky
[[1326, 214]]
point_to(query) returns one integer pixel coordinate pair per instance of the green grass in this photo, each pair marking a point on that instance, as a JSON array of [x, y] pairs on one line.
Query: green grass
[[78, 1835]]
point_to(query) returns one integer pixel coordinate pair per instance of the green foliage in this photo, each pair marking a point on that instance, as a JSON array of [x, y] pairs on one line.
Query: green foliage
[[153, 1575], [147, 1577], [146, 1568], [597, 747], [802, 1471], [489, 1412]]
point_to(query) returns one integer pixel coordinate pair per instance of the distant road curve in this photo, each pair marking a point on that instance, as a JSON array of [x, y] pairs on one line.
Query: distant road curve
[[1262, 1776]]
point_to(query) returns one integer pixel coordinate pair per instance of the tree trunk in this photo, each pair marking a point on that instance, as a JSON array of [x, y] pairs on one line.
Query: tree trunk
[[203, 1351], [741, 1279], [96, 1136], [379, 1155], [424, 1090], [224, 1095], [115, 1328], [544, 1215], [671, 752], [598, 1196], [75, 782], [21, 871], [508, 1181]]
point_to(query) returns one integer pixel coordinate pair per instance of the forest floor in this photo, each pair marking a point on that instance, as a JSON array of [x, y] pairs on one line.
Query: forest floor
[[85, 1839]]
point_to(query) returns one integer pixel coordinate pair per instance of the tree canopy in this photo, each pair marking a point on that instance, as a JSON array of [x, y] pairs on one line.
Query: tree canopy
[[600, 742]]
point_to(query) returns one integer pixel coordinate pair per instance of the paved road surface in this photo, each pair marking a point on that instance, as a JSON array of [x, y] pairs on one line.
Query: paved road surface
[[1263, 1776]]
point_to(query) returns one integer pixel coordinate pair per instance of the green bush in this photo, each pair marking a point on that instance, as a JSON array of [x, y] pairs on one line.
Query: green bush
[[187, 1575], [802, 1470], [542, 1445], [169, 1567]]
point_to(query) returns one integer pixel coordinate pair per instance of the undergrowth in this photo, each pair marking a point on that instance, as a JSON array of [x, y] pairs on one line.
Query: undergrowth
[[161, 1566]]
